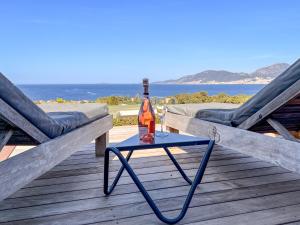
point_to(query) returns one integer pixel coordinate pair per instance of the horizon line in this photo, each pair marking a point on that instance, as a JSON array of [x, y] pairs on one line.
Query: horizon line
[[152, 83]]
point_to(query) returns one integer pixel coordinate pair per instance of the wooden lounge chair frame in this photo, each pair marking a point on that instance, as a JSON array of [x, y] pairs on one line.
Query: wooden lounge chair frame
[[280, 116], [21, 169], [286, 107]]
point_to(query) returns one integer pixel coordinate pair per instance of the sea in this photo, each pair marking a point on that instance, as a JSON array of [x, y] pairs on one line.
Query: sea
[[94, 91]]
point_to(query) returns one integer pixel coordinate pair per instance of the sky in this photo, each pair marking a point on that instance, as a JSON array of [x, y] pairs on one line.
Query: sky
[[97, 41]]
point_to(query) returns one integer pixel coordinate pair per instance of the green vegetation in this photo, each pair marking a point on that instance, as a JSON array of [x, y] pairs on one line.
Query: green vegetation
[[128, 120], [117, 100], [198, 97], [203, 97], [123, 121], [60, 100], [123, 103]]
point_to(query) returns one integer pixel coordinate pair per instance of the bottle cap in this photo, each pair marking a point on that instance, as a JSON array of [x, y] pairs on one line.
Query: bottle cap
[[146, 82]]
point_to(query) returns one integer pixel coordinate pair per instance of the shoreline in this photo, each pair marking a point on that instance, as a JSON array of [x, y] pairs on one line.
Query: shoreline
[[91, 92], [151, 83], [217, 83]]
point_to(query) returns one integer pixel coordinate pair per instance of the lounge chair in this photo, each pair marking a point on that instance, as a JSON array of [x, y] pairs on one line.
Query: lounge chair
[[274, 109], [56, 134]]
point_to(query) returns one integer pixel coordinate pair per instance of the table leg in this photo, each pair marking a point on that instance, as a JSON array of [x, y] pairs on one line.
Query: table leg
[[107, 190], [195, 183], [178, 166]]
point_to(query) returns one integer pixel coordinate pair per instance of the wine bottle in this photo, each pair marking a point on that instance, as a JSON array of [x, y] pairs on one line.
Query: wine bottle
[[146, 118]]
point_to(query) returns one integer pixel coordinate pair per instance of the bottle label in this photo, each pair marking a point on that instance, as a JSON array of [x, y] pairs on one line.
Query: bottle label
[[152, 127], [143, 131]]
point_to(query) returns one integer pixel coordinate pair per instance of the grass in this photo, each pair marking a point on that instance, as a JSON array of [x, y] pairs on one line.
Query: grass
[[114, 109]]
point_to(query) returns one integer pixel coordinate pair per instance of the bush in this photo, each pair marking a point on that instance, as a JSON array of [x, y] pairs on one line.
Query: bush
[[117, 100], [198, 97], [128, 120], [203, 97], [60, 100], [123, 121]]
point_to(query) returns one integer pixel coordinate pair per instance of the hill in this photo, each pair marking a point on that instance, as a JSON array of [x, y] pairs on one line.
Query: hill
[[260, 76]]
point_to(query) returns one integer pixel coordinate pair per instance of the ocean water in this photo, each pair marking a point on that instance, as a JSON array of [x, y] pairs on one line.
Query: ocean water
[[93, 91]]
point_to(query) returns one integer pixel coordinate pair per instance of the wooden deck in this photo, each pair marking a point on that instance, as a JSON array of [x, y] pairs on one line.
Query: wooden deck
[[237, 189]]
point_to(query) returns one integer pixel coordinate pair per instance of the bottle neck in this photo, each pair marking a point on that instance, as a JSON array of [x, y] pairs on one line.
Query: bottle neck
[[146, 91]]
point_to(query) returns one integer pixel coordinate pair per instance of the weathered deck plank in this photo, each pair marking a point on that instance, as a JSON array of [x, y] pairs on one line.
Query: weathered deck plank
[[281, 215], [235, 188], [188, 164], [233, 169]]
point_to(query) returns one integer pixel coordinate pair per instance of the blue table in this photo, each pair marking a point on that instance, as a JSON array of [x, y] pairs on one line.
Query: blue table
[[172, 140]]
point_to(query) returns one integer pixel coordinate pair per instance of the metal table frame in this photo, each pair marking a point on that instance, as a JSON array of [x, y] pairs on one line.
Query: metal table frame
[[125, 165]]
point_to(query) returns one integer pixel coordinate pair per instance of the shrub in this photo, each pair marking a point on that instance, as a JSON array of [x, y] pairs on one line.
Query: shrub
[[117, 100], [203, 97], [128, 120], [60, 100]]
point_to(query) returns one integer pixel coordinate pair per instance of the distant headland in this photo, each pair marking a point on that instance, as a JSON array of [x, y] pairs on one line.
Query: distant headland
[[260, 76]]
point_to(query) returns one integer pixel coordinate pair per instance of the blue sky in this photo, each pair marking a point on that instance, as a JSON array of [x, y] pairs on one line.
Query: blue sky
[[97, 41]]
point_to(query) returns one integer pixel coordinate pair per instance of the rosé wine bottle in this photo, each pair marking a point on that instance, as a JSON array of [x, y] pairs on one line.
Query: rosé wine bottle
[[146, 118]]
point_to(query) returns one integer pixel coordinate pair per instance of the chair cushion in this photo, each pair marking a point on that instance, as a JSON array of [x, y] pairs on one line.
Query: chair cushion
[[54, 123], [214, 112], [73, 115]]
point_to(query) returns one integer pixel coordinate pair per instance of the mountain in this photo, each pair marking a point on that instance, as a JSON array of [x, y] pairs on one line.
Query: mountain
[[260, 76], [271, 71]]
